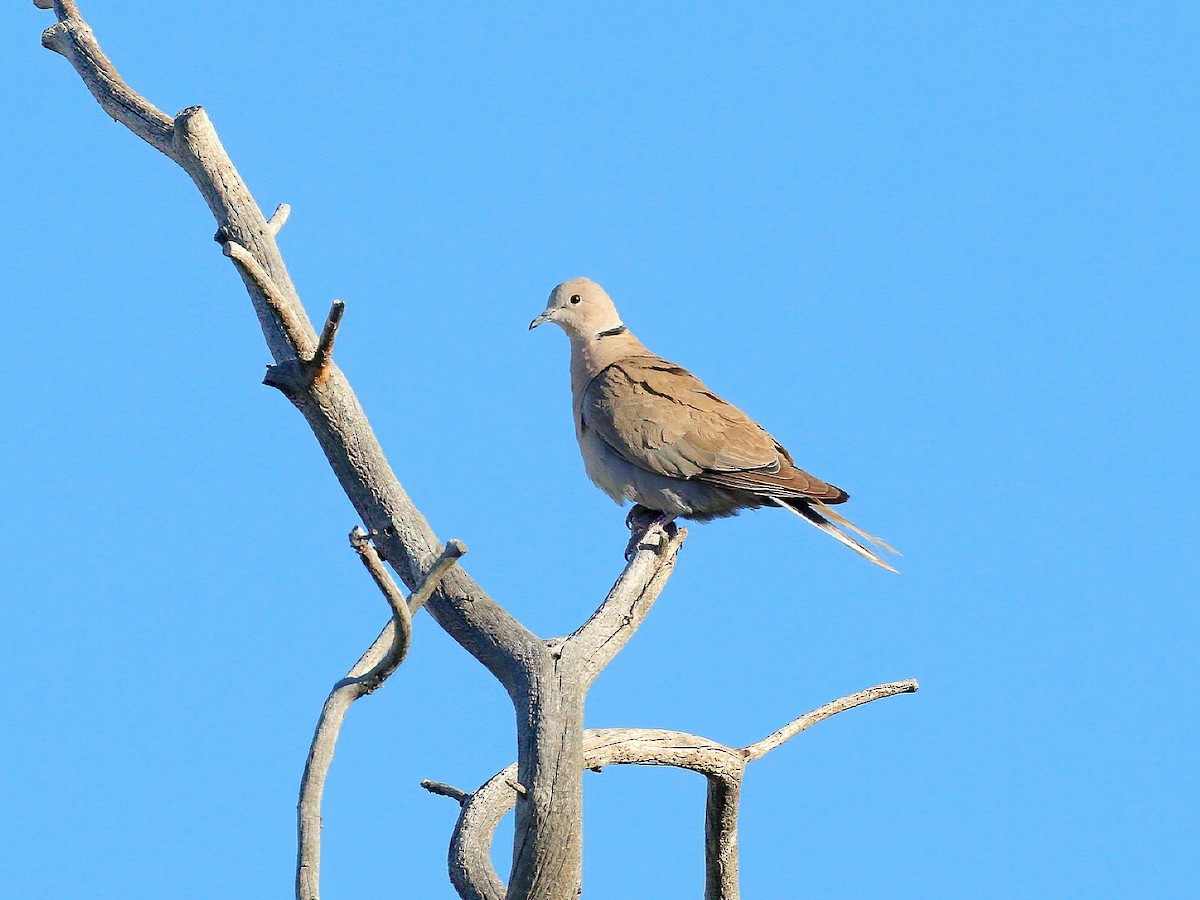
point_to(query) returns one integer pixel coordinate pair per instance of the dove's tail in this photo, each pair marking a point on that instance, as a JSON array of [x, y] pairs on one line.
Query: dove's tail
[[808, 510]]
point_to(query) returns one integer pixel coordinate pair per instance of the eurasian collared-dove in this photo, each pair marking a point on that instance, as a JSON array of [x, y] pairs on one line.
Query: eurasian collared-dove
[[651, 432]]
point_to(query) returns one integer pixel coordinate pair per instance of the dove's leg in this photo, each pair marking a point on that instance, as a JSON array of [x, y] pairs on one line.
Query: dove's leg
[[639, 521]]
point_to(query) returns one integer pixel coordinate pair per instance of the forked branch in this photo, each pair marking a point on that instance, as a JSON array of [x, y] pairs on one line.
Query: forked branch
[[547, 681], [471, 869], [546, 692]]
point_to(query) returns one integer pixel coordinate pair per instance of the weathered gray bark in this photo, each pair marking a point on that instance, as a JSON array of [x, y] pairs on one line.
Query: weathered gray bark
[[374, 667], [546, 680], [725, 767], [549, 704]]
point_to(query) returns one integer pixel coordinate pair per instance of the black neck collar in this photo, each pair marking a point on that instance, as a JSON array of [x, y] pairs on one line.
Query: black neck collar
[[609, 332]]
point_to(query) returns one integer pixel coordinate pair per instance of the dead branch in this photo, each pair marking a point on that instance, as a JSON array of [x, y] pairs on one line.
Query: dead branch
[[761, 748], [595, 643], [279, 218], [547, 694], [324, 351], [546, 680], [471, 869], [332, 409], [458, 795], [382, 658]]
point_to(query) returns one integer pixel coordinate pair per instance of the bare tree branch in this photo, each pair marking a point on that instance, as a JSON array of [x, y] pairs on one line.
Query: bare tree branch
[[72, 38], [547, 696], [547, 681], [761, 748], [460, 606], [471, 869], [595, 643], [721, 837], [298, 333], [382, 658], [458, 795]]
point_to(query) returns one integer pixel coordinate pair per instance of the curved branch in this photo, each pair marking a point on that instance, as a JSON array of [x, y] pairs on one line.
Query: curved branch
[[382, 658], [471, 868], [761, 748]]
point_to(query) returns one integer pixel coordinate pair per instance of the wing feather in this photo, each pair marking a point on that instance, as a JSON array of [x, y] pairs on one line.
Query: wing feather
[[662, 418]]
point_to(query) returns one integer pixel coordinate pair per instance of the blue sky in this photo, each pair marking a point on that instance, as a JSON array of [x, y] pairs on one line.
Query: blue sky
[[946, 254]]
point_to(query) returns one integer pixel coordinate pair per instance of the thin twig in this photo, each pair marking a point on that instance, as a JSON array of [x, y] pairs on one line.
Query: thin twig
[[761, 748], [454, 550], [372, 669]]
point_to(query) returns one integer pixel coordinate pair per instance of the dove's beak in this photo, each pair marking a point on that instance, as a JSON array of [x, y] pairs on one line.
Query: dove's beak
[[540, 320]]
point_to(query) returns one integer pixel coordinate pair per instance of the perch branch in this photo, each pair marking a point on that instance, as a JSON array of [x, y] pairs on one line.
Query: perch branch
[[595, 643], [548, 843], [382, 658]]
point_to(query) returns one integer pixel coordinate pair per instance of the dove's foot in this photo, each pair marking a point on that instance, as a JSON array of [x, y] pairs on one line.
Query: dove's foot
[[639, 521], [640, 517]]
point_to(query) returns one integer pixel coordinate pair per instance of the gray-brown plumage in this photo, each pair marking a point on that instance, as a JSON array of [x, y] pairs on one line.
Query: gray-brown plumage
[[651, 432]]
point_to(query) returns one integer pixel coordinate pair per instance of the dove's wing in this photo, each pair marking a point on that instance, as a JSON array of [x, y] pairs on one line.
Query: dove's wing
[[660, 417]]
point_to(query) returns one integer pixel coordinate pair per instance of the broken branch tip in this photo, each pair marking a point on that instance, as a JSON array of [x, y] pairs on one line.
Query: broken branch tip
[[446, 790]]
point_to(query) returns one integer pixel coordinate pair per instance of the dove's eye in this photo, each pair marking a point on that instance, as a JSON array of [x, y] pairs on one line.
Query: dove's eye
[[575, 298]]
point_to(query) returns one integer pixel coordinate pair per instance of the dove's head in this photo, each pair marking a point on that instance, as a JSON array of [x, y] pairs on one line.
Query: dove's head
[[581, 308]]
